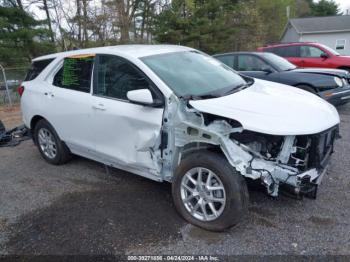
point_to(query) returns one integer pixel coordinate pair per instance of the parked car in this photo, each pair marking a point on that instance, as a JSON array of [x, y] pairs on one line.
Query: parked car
[[332, 85], [171, 113], [304, 54], [10, 84]]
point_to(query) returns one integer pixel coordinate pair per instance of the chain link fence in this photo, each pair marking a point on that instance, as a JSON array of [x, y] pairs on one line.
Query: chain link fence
[[12, 76]]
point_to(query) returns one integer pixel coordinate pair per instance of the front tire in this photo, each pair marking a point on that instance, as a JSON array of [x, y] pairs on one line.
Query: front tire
[[50, 146], [208, 192]]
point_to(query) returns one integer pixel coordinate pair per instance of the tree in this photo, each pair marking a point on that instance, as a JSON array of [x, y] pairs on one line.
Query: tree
[[48, 17], [21, 36], [202, 24], [274, 17], [210, 25], [302, 8], [125, 13], [324, 8]]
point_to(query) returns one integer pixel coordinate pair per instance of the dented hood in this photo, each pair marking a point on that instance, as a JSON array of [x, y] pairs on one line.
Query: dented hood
[[272, 108]]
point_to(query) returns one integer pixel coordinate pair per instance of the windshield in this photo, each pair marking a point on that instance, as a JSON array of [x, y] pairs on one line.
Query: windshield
[[278, 62], [331, 50], [194, 74]]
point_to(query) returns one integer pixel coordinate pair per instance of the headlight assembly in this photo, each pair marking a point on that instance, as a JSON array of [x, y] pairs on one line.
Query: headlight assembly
[[338, 81]]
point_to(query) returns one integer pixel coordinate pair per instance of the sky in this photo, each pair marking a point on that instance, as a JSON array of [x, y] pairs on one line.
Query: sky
[[343, 4]]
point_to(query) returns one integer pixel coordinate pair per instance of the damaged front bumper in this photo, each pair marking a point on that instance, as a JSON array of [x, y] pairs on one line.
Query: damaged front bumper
[[299, 172], [337, 96]]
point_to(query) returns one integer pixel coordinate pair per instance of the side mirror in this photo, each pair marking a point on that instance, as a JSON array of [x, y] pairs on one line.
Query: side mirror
[[267, 70], [142, 97], [324, 55]]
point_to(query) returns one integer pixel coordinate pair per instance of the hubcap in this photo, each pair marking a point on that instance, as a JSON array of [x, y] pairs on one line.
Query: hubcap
[[203, 194], [47, 143]]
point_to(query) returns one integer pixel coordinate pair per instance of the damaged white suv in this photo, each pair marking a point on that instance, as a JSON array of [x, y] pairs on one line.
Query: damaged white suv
[[172, 113]]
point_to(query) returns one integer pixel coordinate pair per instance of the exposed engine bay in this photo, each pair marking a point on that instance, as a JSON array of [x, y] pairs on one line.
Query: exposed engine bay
[[293, 162]]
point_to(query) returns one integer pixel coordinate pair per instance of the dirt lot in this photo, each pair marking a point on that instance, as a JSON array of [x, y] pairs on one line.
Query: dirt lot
[[82, 208], [10, 116]]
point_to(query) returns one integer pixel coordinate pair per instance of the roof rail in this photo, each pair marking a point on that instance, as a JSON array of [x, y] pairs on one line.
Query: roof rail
[[283, 43]]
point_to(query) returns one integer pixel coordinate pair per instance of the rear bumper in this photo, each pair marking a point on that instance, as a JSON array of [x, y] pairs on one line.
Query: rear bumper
[[337, 96]]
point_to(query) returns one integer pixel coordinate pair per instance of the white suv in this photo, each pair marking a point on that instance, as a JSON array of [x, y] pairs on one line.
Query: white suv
[[172, 113]]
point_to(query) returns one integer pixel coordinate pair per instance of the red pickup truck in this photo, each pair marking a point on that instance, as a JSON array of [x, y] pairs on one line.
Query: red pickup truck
[[304, 54]]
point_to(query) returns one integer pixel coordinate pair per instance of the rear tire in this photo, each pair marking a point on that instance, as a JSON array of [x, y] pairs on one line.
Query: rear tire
[[233, 198], [50, 146]]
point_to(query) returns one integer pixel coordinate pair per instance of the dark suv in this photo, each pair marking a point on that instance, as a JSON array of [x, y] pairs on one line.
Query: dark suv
[[304, 54]]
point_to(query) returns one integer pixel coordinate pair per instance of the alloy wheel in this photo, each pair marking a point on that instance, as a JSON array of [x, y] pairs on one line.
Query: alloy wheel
[[203, 194], [47, 143]]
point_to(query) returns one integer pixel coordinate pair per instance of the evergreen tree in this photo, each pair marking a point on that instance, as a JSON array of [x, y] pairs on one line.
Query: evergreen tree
[[204, 24], [324, 8], [21, 37]]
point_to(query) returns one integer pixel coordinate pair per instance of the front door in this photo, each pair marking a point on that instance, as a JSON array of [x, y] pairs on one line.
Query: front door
[[311, 56], [125, 133]]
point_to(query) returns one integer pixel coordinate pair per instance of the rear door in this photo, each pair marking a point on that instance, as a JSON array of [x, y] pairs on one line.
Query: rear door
[[70, 103], [290, 53], [125, 133]]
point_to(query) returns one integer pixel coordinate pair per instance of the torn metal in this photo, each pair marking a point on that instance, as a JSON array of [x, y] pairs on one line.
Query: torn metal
[[275, 160]]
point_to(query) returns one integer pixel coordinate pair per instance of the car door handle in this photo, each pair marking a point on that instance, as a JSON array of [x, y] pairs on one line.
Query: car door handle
[[49, 94], [100, 107]]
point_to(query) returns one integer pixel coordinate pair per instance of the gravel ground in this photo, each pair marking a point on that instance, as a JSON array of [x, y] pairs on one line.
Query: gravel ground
[[11, 116], [82, 208]]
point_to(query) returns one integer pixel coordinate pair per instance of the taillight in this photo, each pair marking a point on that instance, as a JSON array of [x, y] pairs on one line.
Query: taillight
[[20, 90]]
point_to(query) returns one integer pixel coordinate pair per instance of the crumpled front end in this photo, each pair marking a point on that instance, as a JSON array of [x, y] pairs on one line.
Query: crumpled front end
[[295, 162]]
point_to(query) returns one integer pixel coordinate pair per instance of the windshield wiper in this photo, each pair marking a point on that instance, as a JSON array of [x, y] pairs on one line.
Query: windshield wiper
[[216, 94], [197, 97], [239, 88]]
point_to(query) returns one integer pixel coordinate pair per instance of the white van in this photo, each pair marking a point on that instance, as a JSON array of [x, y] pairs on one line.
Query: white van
[[172, 113]]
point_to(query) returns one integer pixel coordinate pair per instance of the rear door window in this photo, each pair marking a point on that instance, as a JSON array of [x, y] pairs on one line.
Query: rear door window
[[250, 63], [75, 73], [36, 68], [227, 60], [286, 51], [270, 49]]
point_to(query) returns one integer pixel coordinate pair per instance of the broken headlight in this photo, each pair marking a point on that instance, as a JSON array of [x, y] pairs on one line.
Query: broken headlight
[[268, 146]]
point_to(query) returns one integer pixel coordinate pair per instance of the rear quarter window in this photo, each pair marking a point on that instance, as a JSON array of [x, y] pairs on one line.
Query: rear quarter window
[[36, 68]]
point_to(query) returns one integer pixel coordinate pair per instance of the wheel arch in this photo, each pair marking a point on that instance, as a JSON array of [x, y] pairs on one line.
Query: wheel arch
[[301, 85], [33, 122], [201, 146], [35, 119]]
